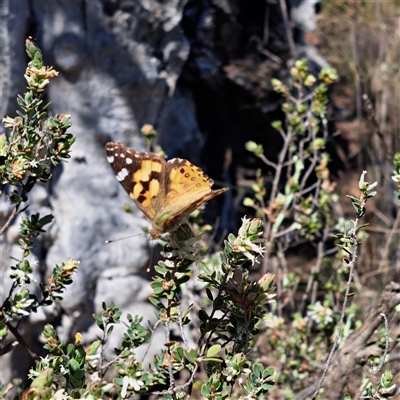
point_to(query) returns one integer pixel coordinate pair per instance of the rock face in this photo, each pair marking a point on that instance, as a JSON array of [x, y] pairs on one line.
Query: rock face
[[199, 71]]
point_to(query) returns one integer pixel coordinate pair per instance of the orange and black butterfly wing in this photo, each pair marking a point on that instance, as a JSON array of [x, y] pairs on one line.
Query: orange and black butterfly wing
[[187, 188], [141, 174]]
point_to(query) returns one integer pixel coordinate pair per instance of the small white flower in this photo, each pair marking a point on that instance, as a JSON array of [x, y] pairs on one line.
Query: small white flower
[[60, 394], [130, 383]]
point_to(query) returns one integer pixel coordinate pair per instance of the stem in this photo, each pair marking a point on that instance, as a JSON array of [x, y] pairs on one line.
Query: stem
[[359, 393], [10, 219], [353, 233], [22, 342], [287, 26]]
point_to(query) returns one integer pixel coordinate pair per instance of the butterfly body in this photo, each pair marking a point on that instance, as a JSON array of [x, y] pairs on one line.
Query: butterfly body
[[166, 192]]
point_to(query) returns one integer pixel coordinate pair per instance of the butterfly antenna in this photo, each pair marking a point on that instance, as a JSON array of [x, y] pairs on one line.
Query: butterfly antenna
[[123, 238], [151, 258]]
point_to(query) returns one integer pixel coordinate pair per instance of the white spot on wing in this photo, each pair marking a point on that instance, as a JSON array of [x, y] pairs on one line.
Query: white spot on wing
[[122, 155], [122, 174], [110, 159], [128, 161]]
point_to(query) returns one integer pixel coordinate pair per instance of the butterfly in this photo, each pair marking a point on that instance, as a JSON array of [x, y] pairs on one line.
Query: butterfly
[[166, 191]]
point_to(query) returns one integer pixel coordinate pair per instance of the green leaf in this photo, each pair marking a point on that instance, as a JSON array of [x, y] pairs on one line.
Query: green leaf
[[361, 226], [3, 330], [213, 350], [386, 379], [209, 294], [157, 303], [191, 356], [44, 380], [253, 147], [99, 321], [345, 249], [92, 350], [277, 125], [258, 370], [157, 287], [34, 54], [353, 198], [203, 316], [79, 374], [45, 220], [270, 371], [74, 365], [213, 359], [109, 330]]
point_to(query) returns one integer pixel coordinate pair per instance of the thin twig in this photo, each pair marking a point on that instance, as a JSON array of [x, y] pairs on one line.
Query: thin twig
[[287, 27], [102, 348], [312, 284], [10, 219], [284, 232], [353, 233], [278, 172], [377, 129], [170, 371], [180, 387], [22, 342], [320, 256], [213, 311], [266, 24], [268, 162], [181, 326], [356, 64], [372, 376], [341, 322], [8, 347], [389, 240], [270, 55], [151, 339]]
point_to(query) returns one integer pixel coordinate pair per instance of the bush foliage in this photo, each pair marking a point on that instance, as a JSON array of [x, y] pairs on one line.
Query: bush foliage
[[242, 337]]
